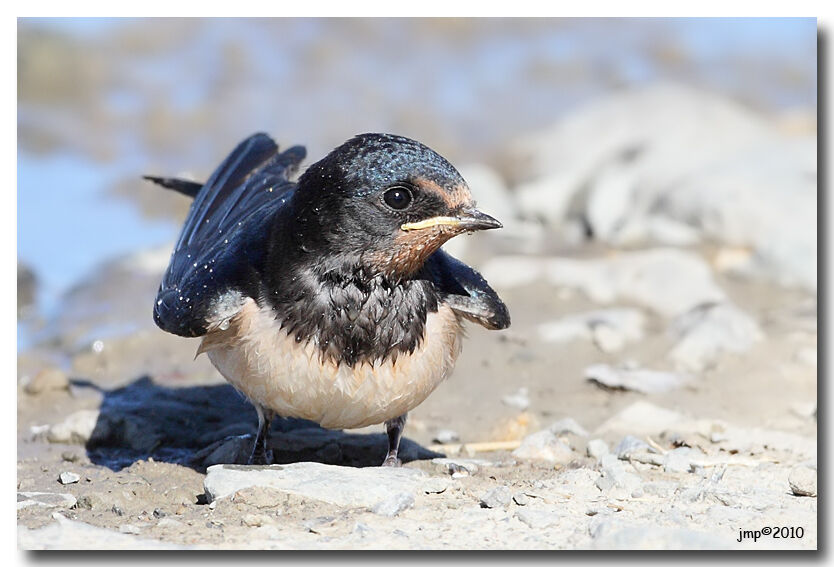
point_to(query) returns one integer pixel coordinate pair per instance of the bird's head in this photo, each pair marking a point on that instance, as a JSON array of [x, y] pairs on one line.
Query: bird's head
[[388, 201]]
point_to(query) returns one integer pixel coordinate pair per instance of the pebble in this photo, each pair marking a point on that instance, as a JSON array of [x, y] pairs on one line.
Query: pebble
[[394, 504], [446, 436], [537, 518], [614, 470], [435, 485], [638, 380], [92, 502], [568, 425], [609, 329], [519, 399], [544, 446], [679, 460], [629, 445], [68, 478], [803, 481], [498, 497], [48, 379], [46, 499], [706, 332], [521, 499], [76, 428], [464, 467], [597, 448]]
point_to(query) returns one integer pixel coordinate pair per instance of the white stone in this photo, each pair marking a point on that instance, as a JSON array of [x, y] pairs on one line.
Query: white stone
[[610, 329], [342, 486], [519, 400], [637, 380], [544, 446], [76, 428], [46, 499], [706, 332]]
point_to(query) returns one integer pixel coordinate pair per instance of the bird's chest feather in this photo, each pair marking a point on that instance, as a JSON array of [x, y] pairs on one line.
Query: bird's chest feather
[[362, 364]]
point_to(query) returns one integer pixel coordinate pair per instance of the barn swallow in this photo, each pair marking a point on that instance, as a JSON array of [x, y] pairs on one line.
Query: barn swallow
[[329, 298]]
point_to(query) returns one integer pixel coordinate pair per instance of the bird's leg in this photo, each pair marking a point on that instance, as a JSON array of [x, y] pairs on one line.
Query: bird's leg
[[261, 455], [394, 428]]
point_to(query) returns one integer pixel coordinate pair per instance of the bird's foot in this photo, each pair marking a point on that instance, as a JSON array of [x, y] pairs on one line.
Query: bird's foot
[[392, 461], [260, 458]]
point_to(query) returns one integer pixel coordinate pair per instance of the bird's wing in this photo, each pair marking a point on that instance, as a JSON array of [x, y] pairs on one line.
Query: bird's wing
[[466, 291], [224, 235]]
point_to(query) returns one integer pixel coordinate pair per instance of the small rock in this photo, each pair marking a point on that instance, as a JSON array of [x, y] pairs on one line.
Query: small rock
[[465, 467], [91, 502], [568, 425], [610, 329], [446, 436], [630, 444], [68, 478], [70, 456], [607, 339], [803, 481], [520, 399], [46, 380], [130, 529], [537, 518], [498, 497], [76, 428], [597, 448], [544, 446], [436, 485], [159, 513], [678, 460], [613, 469], [521, 499], [394, 504], [46, 499], [638, 380], [708, 331]]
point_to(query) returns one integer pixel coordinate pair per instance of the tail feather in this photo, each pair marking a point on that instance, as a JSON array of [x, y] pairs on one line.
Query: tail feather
[[187, 188]]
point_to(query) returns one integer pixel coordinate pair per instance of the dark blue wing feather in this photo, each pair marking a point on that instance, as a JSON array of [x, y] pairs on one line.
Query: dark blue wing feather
[[224, 236], [466, 291]]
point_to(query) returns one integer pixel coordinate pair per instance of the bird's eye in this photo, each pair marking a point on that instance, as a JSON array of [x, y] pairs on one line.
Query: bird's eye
[[397, 198]]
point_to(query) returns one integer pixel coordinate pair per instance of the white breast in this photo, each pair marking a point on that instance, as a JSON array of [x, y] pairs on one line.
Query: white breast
[[276, 372]]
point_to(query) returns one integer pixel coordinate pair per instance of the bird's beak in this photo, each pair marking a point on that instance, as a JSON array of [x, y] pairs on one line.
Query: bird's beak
[[466, 220]]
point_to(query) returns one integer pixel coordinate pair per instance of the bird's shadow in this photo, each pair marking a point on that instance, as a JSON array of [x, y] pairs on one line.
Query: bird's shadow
[[198, 426]]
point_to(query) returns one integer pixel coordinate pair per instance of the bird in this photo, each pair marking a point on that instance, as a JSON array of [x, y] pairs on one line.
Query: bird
[[328, 298]]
